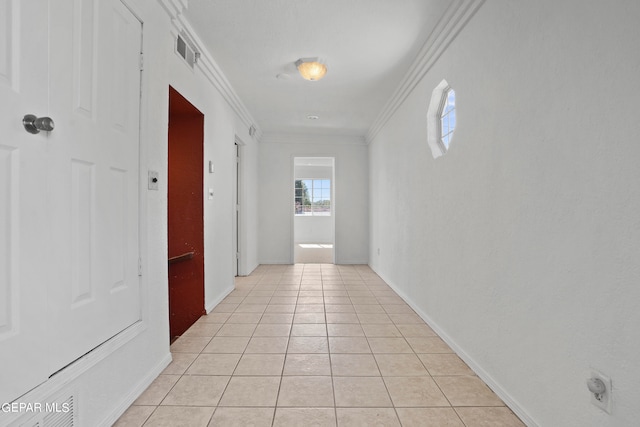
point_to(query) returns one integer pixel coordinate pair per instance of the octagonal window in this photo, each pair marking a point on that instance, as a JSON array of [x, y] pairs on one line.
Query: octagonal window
[[441, 119], [448, 118]]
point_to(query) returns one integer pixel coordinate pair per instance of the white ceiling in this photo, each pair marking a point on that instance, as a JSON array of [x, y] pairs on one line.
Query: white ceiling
[[367, 45]]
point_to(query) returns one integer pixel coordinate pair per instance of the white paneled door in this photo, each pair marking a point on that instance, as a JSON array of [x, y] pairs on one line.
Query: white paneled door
[[24, 262], [94, 155], [69, 201]]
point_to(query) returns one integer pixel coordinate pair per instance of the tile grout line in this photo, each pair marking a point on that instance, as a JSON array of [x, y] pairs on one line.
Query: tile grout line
[[236, 367], [352, 290], [284, 362], [393, 405]]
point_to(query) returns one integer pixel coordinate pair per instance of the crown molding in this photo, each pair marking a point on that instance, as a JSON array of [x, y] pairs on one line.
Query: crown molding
[[206, 64], [174, 7], [214, 74], [291, 138], [449, 26]]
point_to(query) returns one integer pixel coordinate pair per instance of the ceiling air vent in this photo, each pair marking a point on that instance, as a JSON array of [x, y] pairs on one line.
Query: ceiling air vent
[[186, 52]]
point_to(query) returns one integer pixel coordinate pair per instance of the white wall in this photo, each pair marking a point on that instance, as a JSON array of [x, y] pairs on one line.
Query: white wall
[[521, 244], [220, 129], [275, 171], [249, 210], [105, 382], [313, 229]]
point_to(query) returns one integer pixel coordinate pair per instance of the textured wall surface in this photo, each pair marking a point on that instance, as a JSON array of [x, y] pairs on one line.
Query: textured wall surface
[[275, 173], [521, 244]]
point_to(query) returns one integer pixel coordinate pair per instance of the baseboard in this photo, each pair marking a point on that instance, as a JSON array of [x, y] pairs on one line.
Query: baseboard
[[312, 242], [252, 269], [249, 270], [209, 307], [61, 380], [351, 262], [512, 403], [131, 397], [339, 262]]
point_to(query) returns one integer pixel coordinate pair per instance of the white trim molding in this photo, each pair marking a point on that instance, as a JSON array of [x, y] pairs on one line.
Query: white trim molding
[[312, 139], [60, 380], [128, 399], [207, 64], [174, 7], [434, 132], [209, 307], [452, 22], [509, 400]]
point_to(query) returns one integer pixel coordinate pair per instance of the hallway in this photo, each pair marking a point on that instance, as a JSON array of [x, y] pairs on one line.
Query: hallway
[[315, 344]]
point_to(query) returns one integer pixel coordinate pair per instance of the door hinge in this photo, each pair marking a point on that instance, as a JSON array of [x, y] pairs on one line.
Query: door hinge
[[237, 255], [141, 61], [139, 266]]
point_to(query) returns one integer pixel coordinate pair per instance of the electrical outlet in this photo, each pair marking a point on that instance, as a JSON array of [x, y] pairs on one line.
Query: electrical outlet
[[601, 400]]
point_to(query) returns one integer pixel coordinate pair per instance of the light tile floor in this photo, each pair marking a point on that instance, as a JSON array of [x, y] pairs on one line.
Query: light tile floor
[[315, 345]]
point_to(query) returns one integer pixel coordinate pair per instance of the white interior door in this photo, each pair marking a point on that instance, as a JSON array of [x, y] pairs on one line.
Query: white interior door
[[23, 220], [68, 199], [94, 173]]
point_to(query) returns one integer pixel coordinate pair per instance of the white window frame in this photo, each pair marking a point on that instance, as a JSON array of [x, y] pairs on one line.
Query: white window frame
[[443, 114], [311, 190], [434, 119]]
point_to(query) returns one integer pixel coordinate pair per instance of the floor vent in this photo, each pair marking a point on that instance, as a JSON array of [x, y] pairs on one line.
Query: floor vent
[[57, 413], [61, 414]]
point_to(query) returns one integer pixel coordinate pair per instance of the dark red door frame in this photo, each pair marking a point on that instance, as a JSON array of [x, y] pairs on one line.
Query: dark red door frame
[[185, 214]]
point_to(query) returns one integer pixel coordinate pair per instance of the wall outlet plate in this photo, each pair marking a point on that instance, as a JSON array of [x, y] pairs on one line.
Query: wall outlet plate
[[604, 402], [154, 178]]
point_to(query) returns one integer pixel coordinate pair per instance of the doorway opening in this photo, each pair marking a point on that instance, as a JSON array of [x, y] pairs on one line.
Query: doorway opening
[[237, 247], [185, 214], [314, 210]]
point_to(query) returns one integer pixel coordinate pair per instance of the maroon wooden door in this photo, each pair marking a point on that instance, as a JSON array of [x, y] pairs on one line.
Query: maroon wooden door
[[185, 211]]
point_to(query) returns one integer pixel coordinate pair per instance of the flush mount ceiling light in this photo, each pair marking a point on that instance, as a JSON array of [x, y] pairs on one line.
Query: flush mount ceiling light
[[311, 68]]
